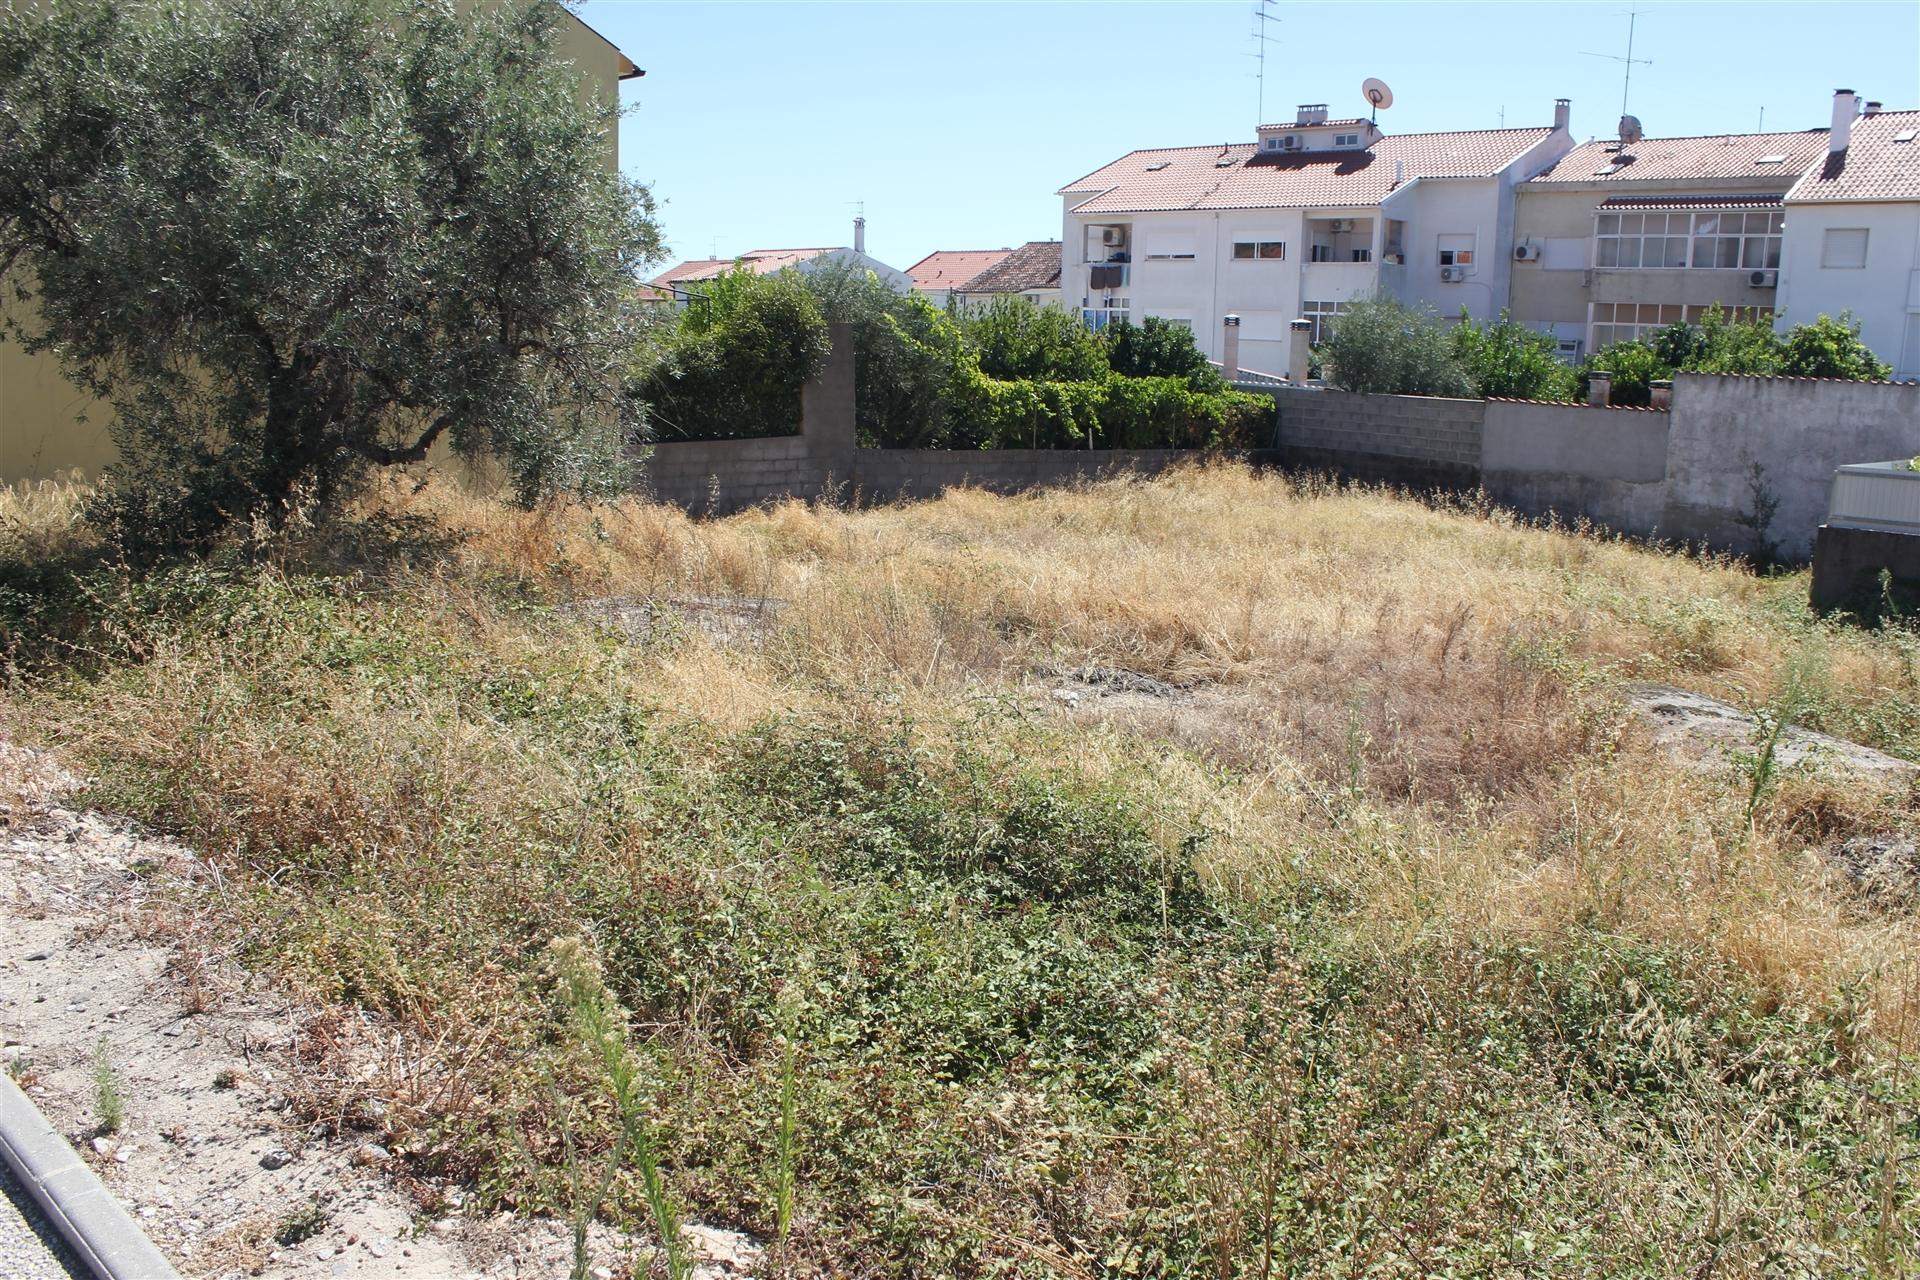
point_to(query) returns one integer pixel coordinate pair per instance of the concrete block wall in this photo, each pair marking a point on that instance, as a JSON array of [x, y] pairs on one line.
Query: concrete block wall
[[1605, 465], [1403, 439]]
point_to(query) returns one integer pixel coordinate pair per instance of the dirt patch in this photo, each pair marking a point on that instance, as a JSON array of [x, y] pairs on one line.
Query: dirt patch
[[726, 621], [210, 1157]]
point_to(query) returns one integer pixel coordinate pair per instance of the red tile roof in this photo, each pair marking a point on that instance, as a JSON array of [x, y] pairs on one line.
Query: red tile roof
[[1873, 167], [1764, 200], [760, 261], [951, 268], [1722, 155], [1034, 265], [1239, 176]]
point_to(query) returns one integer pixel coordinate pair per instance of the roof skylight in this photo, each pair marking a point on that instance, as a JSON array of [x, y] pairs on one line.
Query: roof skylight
[[1158, 165], [1771, 160], [1905, 135]]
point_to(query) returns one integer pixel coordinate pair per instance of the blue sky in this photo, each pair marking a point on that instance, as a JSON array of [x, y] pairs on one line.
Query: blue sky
[[761, 125]]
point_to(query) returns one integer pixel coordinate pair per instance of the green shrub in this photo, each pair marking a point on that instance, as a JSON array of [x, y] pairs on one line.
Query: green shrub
[[1635, 366], [736, 359], [908, 354], [1015, 339], [1830, 348], [1159, 348]]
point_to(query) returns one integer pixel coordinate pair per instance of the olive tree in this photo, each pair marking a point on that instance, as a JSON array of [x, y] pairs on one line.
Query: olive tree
[[293, 241]]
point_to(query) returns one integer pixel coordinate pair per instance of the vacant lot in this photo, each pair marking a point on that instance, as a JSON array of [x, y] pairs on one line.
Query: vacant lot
[[1217, 875]]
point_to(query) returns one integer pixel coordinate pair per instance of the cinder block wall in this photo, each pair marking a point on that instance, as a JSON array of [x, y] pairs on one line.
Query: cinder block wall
[[1401, 439]]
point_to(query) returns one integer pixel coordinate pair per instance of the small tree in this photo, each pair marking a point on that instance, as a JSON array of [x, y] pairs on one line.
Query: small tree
[[909, 351], [1386, 348], [295, 240], [1830, 348]]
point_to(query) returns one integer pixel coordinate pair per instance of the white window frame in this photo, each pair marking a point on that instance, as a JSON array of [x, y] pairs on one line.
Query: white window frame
[[1346, 139], [1827, 243], [1319, 312], [1749, 237], [1098, 314], [1611, 322], [1258, 254]]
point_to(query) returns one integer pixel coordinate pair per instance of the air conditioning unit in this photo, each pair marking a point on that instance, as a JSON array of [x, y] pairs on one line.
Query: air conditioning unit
[[1289, 142], [1526, 253], [1339, 224], [1453, 275], [1113, 237], [1763, 279]]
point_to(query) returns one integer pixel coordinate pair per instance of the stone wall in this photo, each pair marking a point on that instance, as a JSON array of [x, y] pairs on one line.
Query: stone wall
[[1740, 442]]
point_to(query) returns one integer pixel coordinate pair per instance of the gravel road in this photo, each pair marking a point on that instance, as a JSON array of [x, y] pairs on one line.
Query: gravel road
[[29, 1248]]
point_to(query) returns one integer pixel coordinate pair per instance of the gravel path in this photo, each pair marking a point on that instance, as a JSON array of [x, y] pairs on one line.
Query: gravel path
[[29, 1248]]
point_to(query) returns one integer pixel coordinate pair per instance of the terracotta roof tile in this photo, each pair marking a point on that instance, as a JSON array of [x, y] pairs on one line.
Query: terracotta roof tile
[[1239, 176], [1873, 167], [760, 261], [1354, 123], [1721, 155], [951, 268], [1764, 200], [1034, 265]]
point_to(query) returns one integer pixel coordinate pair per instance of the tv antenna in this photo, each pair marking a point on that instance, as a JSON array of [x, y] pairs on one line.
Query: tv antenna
[[1378, 96], [1630, 61], [1261, 17]]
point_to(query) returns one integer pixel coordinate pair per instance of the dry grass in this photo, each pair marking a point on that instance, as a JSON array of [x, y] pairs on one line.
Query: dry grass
[[1392, 726]]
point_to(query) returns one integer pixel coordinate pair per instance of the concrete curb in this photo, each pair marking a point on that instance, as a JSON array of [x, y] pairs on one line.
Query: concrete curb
[[76, 1202]]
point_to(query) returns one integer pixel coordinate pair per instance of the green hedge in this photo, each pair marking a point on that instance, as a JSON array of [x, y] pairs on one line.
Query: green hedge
[[1114, 412]]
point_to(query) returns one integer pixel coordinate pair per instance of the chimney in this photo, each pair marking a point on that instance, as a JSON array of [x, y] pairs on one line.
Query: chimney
[[1844, 103], [860, 235], [1600, 389], [1562, 114], [1399, 171], [1230, 347], [1871, 109], [1299, 350]]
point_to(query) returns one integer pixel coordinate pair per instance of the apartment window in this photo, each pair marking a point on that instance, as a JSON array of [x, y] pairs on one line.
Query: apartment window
[[1455, 249], [1100, 314], [1844, 247], [1628, 321], [1702, 240], [1346, 139], [1168, 246], [1321, 314], [1269, 250]]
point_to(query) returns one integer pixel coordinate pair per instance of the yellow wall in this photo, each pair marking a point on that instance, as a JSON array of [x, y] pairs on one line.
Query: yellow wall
[[42, 434]]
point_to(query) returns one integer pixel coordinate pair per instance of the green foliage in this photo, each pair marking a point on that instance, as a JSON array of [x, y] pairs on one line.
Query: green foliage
[[1384, 347], [1830, 348], [736, 359], [1015, 340], [1509, 359], [1159, 348], [1635, 367], [1728, 342], [930, 380], [109, 1106], [907, 354], [295, 240]]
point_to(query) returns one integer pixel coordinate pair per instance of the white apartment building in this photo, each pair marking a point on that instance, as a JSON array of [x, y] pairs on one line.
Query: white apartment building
[[1852, 239], [1301, 221]]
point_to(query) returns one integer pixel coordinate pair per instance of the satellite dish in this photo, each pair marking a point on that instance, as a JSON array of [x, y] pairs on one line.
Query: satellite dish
[[1630, 131], [1377, 93]]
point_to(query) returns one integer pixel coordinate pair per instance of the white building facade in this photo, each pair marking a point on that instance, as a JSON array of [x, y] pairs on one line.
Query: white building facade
[[1852, 239], [1298, 224]]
